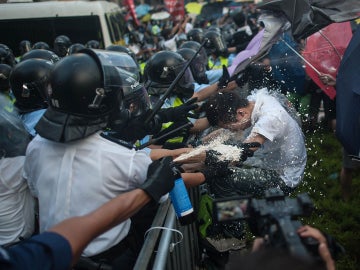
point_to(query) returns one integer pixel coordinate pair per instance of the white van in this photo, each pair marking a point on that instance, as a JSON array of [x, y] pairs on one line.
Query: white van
[[81, 21]]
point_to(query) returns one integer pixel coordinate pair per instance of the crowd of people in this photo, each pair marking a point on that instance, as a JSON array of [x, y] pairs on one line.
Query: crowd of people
[[90, 136]]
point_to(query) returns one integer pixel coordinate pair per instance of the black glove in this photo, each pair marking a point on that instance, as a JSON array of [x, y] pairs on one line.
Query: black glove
[[160, 178], [211, 157], [225, 78], [178, 113], [242, 78], [245, 148], [216, 171]]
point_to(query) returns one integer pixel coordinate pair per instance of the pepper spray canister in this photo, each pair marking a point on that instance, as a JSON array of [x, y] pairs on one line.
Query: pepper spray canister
[[181, 201]]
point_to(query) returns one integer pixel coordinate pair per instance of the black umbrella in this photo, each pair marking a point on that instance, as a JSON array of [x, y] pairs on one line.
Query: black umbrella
[[348, 97], [309, 16]]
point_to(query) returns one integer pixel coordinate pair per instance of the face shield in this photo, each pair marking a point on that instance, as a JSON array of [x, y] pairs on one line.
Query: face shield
[[136, 99], [198, 69], [121, 60], [13, 136]]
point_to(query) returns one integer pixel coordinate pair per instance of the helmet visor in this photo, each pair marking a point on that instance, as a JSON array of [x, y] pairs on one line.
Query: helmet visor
[[120, 60]]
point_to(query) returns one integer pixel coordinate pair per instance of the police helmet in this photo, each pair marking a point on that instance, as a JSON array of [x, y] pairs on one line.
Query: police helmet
[[6, 55], [24, 46], [84, 85], [196, 34], [195, 46], [29, 80], [162, 69], [92, 44], [75, 48], [197, 66], [5, 71], [216, 43], [41, 54], [41, 45], [61, 45]]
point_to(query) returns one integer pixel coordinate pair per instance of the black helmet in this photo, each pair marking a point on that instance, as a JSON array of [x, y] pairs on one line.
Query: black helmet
[[75, 48], [61, 45], [29, 80], [216, 43], [24, 46], [197, 66], [238, 17], [92, 44], [41, 54], [41, 45], [5, 71], [6, 55], [196, 34], [84, 85], [162, 69], [120, 48], [121, 60], [196, 46]]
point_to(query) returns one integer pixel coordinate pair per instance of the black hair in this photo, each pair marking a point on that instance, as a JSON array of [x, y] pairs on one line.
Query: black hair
[[222, 107]]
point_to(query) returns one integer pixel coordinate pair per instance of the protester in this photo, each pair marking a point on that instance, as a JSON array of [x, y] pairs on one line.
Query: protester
[[280, 158]]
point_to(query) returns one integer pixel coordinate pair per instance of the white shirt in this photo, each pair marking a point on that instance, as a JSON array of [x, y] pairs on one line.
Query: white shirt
[[73, 179], [17, 216], [284, 150]]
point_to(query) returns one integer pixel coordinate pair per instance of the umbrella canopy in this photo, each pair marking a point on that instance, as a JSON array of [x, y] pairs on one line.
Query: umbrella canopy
[[348, 98], [194, 7], [324, 50], [307, 18], [162, 15], [261, 43]]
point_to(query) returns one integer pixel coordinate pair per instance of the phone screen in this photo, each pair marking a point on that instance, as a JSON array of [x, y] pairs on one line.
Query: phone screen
[[230, 209]]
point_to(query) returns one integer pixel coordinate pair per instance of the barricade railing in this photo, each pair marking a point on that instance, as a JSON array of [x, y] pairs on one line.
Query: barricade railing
[[164, 246]]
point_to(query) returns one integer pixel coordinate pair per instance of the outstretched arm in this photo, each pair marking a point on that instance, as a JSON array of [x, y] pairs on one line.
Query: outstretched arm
[[80, 231]]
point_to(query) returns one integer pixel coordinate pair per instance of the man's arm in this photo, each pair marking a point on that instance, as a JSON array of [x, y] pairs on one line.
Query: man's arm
[[80, 231]]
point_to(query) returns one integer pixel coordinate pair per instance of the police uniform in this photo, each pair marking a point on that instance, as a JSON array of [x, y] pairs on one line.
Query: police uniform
[[75, 178]]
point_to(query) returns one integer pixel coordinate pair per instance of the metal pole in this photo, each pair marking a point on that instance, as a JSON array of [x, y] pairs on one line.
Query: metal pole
[[164, 245]]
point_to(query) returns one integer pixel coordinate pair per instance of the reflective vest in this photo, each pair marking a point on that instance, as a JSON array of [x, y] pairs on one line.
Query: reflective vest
[[218, 62]]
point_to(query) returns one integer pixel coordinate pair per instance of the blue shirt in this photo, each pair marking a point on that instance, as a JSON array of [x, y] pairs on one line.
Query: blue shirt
[[44, 251]]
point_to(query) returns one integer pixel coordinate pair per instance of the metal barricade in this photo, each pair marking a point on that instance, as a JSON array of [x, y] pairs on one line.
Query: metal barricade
[[161, 249]]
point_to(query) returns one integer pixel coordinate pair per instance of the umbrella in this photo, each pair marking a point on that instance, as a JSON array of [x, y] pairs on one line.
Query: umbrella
[[348, 98], [261, 43], [324, 50], [194, 7], [307, 18], [162, 15]]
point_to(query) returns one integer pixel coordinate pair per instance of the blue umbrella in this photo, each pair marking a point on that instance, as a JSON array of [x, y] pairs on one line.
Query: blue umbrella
[[348, 98]]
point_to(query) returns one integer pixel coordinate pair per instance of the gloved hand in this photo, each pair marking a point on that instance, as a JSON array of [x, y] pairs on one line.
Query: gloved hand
[[178, 113], [242, 78], [160, 178], [245, 148], [225, 78], [212, 157], [216, 171]]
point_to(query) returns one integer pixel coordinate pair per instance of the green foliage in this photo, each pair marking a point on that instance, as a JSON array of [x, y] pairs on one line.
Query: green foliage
[[332, 214]]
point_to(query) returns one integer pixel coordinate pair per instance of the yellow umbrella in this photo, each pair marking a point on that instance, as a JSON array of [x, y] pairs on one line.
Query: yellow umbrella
[[194, 7]]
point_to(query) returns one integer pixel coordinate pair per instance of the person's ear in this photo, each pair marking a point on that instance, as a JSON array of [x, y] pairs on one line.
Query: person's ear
[[241, 112]]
